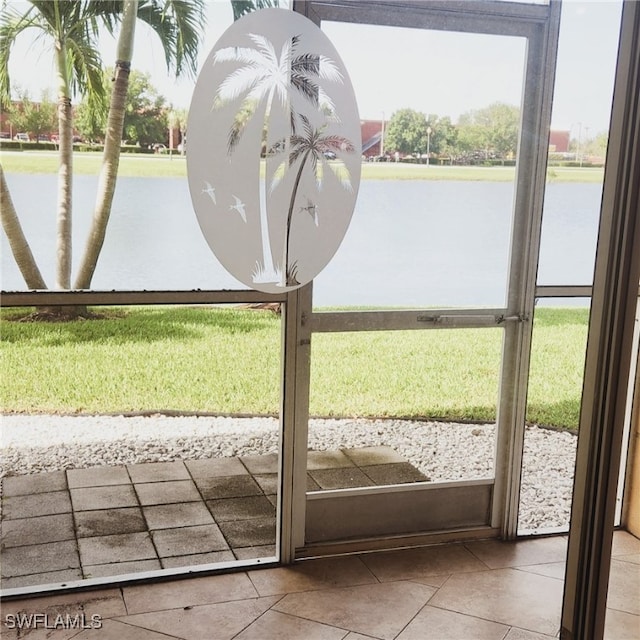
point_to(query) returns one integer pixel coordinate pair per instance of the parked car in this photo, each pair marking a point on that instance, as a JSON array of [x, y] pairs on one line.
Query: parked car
[[22, 137]]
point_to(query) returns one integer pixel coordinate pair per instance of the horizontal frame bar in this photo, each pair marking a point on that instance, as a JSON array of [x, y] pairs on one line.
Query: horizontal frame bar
[[110, 298], [332, 321]]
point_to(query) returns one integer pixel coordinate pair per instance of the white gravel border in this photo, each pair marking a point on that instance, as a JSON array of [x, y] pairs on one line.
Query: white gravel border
[[442, 451]]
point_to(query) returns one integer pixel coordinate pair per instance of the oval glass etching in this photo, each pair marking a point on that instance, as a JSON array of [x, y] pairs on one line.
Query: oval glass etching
[[273, 150]]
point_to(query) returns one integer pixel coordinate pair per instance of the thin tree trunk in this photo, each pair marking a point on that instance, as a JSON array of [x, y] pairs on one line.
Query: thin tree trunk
[[65, 174], [17, 240], [111, 157], [287, 278]]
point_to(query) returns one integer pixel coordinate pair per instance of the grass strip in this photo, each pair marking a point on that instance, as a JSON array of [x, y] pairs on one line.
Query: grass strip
[[165, 166], [227, 361]]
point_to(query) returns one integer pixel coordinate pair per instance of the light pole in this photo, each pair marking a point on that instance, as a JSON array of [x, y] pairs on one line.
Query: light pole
[[429, 130]]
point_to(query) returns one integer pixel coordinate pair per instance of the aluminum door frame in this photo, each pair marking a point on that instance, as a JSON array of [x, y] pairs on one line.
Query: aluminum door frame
[[539, 25]]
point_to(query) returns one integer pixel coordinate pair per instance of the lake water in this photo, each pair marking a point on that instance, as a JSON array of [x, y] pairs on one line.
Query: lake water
[[426, 243]]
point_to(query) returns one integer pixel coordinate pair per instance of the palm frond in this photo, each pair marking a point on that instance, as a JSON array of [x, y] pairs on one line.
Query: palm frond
[[86, 64], [179, 25], [12, 24]]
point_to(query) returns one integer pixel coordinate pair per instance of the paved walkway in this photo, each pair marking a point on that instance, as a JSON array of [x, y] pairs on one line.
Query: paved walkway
[[104, 521]]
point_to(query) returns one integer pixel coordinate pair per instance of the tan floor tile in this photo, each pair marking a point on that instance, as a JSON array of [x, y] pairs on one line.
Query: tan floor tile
[[624, 587], [523, 634], [620, 625], [117, 630], [410, 564], [40, 558], [97, 476], [168, 516], [357, 636], [359, 608], [105, 522], [440, 624], [106, 603], [169, 492], [122, 547], [185, 541], [511, 597], [624, 543], [197, 558], [190, 592], [34, 483], [50, 577], [199, 622], [37, 633], [158, 471], [308, 575], [551, 570], [497, 554], [120, 568], [215, 467], [109, 497], [38, 504], [280, 626], [37, 530]]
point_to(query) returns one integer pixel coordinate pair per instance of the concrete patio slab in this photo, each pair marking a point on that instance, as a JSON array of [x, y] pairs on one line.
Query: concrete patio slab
[[97, 477], [106, 522], [37, 504], [40, 558], [215, 467], [241, 508], [185, 541], [228, 487], [121, 547], [158, 471], [120, 568], [168, 492], [398, 473], [110, 497], [341, 478], [197, 558], [36, 483], [327, 460], [250, 533], [168, 516], [368, 456], [38, 530], [267, 463]]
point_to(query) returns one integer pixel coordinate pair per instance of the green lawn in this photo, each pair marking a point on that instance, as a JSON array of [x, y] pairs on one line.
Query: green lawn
[[143, 166], [227, 361]]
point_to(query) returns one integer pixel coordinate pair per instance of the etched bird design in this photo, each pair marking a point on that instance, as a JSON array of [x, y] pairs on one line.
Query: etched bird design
[[239, 207], [210, 191], [312, 210]]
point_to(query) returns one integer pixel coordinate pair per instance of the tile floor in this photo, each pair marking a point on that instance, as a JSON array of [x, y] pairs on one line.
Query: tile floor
[[486, 590], [103, 521]]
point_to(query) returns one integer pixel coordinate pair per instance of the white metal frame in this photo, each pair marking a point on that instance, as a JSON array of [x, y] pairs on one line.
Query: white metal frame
[[539, 24]]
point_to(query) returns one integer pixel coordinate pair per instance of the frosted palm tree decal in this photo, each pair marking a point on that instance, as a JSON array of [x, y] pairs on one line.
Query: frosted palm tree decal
[[264, 77], [274, 94], [308, 152]]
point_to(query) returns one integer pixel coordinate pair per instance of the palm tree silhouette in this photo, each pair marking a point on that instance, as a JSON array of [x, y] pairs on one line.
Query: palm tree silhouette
[[264, 77], [310, 148]]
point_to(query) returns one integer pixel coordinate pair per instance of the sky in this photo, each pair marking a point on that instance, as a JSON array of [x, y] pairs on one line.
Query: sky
[[446, 74]]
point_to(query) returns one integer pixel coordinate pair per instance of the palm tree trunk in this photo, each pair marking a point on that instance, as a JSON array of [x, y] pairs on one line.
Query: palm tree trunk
[[17, 241], [65, 173], [289, 279], [111, 157]]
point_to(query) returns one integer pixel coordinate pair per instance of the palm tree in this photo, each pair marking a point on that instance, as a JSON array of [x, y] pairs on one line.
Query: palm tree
[[313, 147], [179, 26], [266, 76], [72, 27]]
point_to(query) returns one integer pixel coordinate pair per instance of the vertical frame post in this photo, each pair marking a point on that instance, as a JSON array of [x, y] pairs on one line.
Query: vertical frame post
[[609, 352]]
